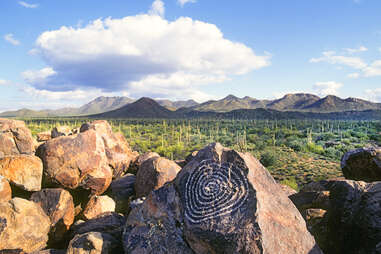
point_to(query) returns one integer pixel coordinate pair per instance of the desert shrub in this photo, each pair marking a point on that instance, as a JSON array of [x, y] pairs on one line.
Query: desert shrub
[[268, 158], [291, 182]]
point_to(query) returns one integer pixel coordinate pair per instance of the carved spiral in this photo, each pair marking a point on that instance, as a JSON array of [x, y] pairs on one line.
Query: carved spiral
[[214, 190]]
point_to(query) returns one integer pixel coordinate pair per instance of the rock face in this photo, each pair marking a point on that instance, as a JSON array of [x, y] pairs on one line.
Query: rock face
[[153, 174], [118, 152], [58, 205], [220, 202], [5, 190], [24, 171], [94, 243], [15, 138], [23, 225], [363, 164], [98, 205], [78, 160]]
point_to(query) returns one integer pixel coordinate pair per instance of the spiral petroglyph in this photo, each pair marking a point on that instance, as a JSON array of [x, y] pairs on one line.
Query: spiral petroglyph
[[214, 190]]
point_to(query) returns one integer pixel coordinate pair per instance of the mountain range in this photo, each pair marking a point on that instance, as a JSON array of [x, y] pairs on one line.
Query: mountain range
[[119, 107]]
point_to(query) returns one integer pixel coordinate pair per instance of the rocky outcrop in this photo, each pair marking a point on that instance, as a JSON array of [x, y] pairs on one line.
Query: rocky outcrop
[[153, 174], [220, 202], [122, 190], [5, 190], [94, 243], [140, 159], [15, 138], [23, 225], [24, 171], [98, 205], [363, 164], [60, 131], [44, 136], [58, 205]]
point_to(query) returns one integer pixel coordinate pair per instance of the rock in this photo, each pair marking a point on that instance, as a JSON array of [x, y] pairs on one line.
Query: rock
[[137, 202], [140, 159], [110, 223], [220, 202], [77, 161], [362, 164], [122, 190], [191, 156], [98, 205], [60, 131], [24, 171], [50, 251], [15, 138], [306, 200], [5, 190], [181, 163], [287, 189], [317, 221], [44, 136], [154, 173], [94, 243], [118, 152], [58, 205], [23, 225]]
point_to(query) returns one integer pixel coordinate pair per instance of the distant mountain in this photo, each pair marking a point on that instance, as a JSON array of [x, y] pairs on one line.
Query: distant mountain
[[173, 105], [142, 108], [332, 103], [296, 101]]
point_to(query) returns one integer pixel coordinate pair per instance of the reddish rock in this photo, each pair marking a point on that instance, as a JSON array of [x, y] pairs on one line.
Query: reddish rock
[[98, 205], [58, 205], [78, 160], [153, 174], [24, 171], [140, 159], [23, 225], [60, 131], [44, 136], [5, 190], [15, 138]]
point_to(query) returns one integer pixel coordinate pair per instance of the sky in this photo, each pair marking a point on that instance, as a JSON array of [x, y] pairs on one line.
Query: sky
[[59, 53]]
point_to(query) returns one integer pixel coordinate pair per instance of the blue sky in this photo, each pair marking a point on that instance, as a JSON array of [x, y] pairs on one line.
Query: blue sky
[[56, 53]]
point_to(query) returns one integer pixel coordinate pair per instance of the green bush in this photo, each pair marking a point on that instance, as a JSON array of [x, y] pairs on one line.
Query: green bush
[[291, 182], [268, 158]]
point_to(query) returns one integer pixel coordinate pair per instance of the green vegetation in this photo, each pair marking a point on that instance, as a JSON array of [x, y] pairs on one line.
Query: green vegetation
[[294, 151]]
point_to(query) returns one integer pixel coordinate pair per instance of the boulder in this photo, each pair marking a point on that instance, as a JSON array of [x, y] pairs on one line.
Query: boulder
[[76, 161], [222, 201], [23, 225], [58, 205], [140, 159], [98, 205], [44, 136], [118, 152], [317, 221], [314, 199], [24, 171], [50, 251], [60, 131], [94, 243], [15, 138], [5, 190], [153, 174], [122, 190], [363, 164]]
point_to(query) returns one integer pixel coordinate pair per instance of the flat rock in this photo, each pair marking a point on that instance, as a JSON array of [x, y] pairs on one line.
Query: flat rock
[[15, 138], [24, 171], [5, 190], [153, 174], [23, 225], [94, 243], [363, 164], [98, 205]]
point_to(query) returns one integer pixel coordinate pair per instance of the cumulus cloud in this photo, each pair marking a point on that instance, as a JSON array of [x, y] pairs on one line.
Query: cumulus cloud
[[157, 8], [354, 75], [28, 5], [183, 2], [332, 58], [327, 88], [374, 69], [140, 54], [10, 38], [373, 94], [356, 50]]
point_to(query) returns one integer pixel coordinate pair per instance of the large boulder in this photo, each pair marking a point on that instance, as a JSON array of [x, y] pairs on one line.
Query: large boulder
[[94, 243], [23, 225], [58, 205], [140, 159], [153, 174], [15, 138], [220, 202], [118, 152], [122, 190], [98, 205], [77, 161], [363, 164], [5, 190], [24, 171]]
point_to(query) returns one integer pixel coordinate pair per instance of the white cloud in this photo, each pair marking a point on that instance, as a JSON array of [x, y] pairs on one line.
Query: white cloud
[[373, 94], [332, 58], [28, 5], [183, 2], [356, 50], [327, 88], [353, 75], [140, 54], [3, 82], [374, 69], [9, 38], [157, 8]]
